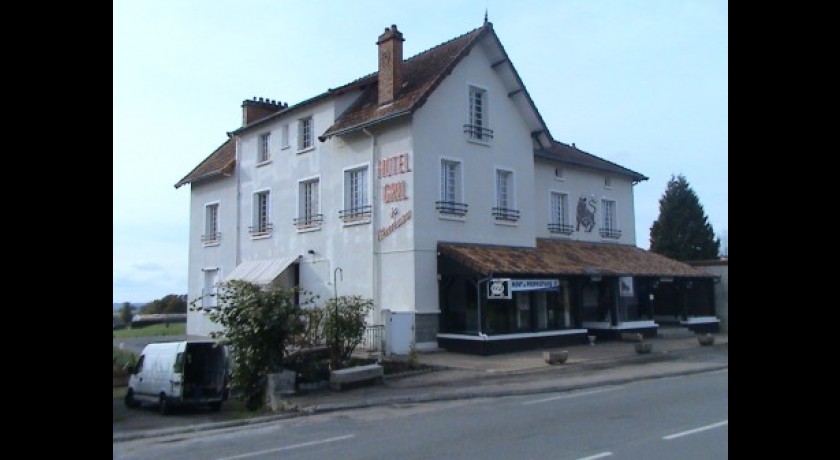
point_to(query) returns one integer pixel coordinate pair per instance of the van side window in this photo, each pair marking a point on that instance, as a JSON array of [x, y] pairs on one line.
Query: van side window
[[139, 366], [179, 362]]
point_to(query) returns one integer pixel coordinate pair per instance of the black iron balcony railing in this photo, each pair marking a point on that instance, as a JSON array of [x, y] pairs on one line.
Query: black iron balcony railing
[[561, 228], [610, 233], [261, 229], [355, 214], [451, 208], [211, 238], [477, 133], [310, 221], [510, 215]]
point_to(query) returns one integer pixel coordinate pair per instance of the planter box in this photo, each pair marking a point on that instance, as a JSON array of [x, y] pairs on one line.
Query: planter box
[[706, 339], [644, 347], [556, 357]]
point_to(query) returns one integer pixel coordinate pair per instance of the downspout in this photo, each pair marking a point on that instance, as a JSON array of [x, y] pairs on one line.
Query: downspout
[[238, 169], [374, 221]]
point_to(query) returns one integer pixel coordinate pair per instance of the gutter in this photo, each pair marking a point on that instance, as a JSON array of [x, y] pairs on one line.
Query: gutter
[[364, 125]]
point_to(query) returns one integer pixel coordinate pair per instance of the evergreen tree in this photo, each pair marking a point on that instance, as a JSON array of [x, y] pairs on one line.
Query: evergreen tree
[[682, 231], [126, 313]]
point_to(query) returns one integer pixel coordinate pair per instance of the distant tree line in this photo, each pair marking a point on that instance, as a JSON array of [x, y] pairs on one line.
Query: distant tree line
[[171, 303]]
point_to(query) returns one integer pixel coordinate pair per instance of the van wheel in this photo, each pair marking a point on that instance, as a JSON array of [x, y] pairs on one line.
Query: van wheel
[[164, 406], [215, 406], [130, 402]]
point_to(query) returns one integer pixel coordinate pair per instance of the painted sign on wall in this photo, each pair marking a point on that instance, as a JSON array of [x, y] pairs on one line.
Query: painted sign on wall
[[394, 191]]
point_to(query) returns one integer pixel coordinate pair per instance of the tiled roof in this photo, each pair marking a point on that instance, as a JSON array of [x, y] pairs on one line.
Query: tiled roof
[[221, 161], [422, 73], [562, 257], [572, 155]]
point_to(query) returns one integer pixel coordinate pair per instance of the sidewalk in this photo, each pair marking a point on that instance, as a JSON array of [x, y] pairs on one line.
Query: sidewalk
[[460, 376]]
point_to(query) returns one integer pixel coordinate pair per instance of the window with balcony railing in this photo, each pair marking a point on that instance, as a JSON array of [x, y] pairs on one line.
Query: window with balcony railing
[[452, 208], [260, 229], [311, 221], [561, 228], [355, 214], [476, 129], [477, 133], [505, 214], [211, 238], [610, 233], [609, 228]]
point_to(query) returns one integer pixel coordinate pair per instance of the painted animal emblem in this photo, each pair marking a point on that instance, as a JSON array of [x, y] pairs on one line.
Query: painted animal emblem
[[586, 213]]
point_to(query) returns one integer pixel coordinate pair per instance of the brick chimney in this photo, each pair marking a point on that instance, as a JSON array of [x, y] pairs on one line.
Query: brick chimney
[[390, 64], [255, 109]]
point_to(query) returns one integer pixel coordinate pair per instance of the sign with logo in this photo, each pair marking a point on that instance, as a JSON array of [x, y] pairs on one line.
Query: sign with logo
[[533, 285], [625, 286], [499, 288]]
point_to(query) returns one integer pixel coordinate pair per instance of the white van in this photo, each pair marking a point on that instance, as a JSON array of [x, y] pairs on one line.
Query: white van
[[189, 372]]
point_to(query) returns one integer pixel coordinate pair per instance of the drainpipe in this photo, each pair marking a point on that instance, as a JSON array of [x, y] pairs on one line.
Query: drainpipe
[[238, 169], [374, 221]]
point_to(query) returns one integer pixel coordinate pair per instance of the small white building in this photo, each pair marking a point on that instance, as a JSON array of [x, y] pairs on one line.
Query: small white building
[[433, 187]]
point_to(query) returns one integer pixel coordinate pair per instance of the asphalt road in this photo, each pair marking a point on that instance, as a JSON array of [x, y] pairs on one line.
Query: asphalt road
[[682, 417]]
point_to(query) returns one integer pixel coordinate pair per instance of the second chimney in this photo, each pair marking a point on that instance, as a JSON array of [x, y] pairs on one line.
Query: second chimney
[[390, 64]]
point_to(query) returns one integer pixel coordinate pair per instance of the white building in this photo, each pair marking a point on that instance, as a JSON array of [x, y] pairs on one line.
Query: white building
[[421, 186]]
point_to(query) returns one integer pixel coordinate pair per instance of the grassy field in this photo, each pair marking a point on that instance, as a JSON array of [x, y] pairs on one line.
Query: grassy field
[[153, 330]]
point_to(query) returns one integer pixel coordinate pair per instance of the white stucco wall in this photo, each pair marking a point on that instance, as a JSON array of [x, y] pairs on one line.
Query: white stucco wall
[[221, 190], [583, 182], [439, 133]]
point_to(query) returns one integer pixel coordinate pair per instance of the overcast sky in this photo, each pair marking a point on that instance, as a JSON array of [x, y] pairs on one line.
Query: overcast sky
[[642, 83]]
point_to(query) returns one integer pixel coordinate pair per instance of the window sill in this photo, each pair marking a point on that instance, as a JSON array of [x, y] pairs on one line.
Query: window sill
[[506, 223], [263, 163], [452, 217], [354, 222], [308, 149], [260, 236], [560, 179], [285, 147], [479, 142], [313, 228], [210, 244]]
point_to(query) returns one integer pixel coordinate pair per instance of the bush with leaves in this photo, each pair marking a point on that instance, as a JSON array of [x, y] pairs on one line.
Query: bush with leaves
[[258, 327], [344, 326]]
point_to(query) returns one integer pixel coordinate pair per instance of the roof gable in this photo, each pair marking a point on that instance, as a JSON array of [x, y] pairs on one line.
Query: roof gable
[[221, 161], [570, 154]]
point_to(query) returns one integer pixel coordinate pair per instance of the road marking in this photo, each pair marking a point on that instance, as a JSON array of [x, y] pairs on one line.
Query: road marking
[[696, 430], [593, 457], [572, 395], [294, 446]]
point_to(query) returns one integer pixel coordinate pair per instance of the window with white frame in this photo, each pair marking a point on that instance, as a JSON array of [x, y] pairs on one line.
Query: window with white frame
[[209, 294], [451, 192], [260, 223], [308, 207], [609, 227], [505, 199], [284, 136], [211, 224], [560, 214], [264, 154], [305, 130], [477, 128], [356, 203]]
